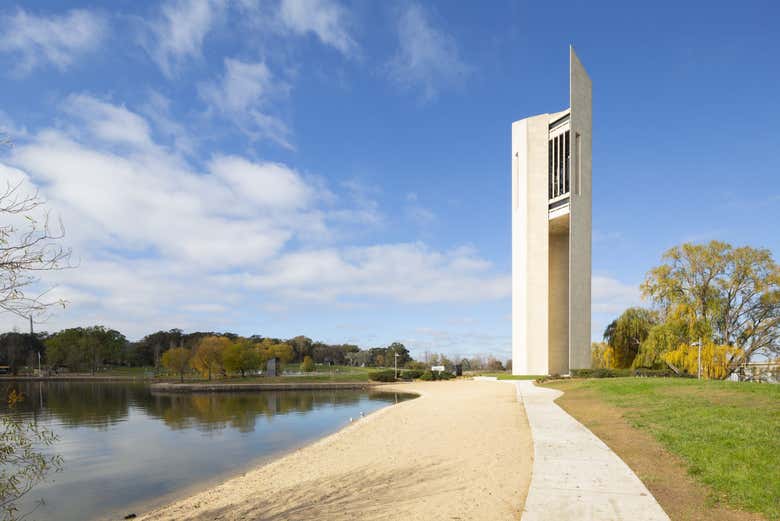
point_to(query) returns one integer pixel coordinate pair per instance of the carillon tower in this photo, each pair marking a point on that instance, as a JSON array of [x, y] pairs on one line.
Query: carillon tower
[[551, 234]]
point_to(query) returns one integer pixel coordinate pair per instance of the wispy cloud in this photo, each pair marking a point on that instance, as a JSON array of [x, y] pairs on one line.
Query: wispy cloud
[[244, 94], [405, 272], [427, 58], [56, 40], [177, 34], [326, 19]]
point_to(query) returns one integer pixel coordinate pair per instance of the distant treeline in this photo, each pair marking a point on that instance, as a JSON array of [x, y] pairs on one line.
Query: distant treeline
[[90, 349], [83, 349]]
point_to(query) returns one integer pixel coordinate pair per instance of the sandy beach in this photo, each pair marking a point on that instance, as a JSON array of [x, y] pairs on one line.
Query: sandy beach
[[461, 451]]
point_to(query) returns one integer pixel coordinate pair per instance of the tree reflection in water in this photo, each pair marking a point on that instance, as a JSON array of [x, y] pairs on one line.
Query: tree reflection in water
[[100, 405]]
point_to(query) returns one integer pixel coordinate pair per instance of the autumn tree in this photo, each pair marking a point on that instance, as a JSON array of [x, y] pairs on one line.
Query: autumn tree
[[207, 356], [177, 360], [602, 355], [728, 296], [269, 349], [307, 366]]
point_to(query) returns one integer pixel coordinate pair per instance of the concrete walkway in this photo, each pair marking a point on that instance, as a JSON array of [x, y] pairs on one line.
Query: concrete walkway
[[575, 475]]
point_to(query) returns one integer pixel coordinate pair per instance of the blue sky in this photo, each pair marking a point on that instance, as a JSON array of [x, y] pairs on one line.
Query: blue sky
[[341, 169]]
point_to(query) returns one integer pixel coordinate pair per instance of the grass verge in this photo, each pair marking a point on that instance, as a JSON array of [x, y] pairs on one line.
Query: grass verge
[[706, 449]]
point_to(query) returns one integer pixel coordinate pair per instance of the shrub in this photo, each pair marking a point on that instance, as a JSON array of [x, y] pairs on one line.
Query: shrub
[[411, 374], [387, 375], [307, 366], [427, 376], [438, 375], [599, 373]]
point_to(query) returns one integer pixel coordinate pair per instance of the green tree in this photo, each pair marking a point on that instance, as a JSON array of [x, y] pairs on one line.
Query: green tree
[[401, 350], [301, 346], [626, 333], [177, 360], [241, 356], [307, 366], [19, 349], [81, 349], [728, 296]]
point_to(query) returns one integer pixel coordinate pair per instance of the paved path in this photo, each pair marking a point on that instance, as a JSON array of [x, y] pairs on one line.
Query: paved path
[[575, 475]]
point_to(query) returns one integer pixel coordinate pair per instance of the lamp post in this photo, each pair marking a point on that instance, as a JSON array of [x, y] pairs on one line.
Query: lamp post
[[698, 344], [396, 365]]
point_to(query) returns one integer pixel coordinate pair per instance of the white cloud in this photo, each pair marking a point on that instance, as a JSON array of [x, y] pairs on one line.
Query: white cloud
[[427, 57], [406, 272], [56, 40], [269, 185], [244, 94], [612, 296], [178, 34], [324, 18], [161, 241], [110, 123]]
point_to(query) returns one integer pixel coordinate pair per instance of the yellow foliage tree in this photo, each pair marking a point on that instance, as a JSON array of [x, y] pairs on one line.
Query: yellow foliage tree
[[177, 359], [715, 359], [268, 349], [207, 357], [602, 356]]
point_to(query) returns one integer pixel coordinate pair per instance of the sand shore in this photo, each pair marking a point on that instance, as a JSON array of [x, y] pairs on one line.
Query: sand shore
[[461, 451]]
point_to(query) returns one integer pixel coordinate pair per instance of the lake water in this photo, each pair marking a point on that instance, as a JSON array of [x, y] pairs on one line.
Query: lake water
[[126, 448]]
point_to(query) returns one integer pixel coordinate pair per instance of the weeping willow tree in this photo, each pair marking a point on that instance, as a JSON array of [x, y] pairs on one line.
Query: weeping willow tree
[[661, 339], [719, 295], [626, 334]]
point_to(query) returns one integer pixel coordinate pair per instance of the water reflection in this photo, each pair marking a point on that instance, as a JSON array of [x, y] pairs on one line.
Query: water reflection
[[123, 444]]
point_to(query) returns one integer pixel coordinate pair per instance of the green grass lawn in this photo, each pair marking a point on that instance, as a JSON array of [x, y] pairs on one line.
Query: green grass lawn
[[728, 433]]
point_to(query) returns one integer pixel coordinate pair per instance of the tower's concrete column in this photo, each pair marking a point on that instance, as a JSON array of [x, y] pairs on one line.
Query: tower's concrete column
[[551, 235], [529, 246]]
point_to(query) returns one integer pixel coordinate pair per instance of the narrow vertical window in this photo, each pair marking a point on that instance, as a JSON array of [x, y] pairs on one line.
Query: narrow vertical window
[[550, 169], [555, 166], [560, 164], [566, 169]]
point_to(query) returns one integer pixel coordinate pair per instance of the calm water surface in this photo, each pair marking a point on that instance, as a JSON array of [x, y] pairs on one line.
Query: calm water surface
[[126, 448]]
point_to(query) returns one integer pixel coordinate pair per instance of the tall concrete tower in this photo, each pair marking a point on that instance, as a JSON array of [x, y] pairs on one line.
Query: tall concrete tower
[[551, 234]]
